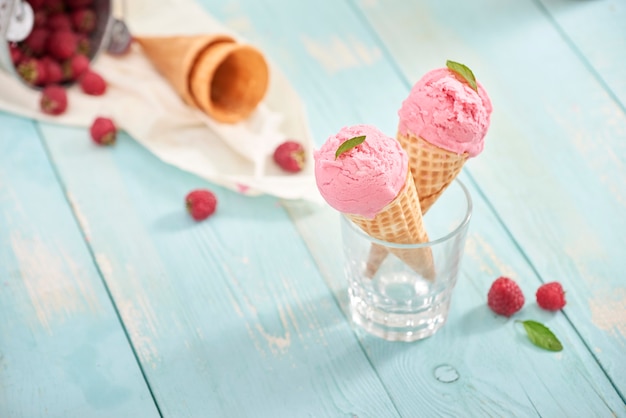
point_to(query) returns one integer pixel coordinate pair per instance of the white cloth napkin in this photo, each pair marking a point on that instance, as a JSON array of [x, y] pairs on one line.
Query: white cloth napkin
[[142, 103]]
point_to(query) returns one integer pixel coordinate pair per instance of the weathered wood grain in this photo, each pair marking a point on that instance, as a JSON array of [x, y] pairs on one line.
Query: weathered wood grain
[[553, 168], [378, 82], [596, 30], [63, 351], [229, 317]]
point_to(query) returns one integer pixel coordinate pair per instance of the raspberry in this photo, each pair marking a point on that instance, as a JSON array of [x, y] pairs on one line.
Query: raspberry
[[290, 156], [84, 20], [78, 4], [550, 296], [35, 42], [62, 44], [505, 297], [83, 44], [54, 73], [92, 83], [33, 71], [16, 53], [103, 131], [75, 67], [53, 100], [59, 22], [201, 204]]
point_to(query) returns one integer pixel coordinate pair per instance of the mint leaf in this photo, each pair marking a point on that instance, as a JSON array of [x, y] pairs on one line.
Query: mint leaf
[[464, 72], [541, 336], [349, 144]]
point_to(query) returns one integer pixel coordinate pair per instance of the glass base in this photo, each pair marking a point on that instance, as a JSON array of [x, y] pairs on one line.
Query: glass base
[[398, 322]]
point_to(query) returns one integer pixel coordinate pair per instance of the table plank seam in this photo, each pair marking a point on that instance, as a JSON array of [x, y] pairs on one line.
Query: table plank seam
[[37, 126], [586, 63], [533, 268]]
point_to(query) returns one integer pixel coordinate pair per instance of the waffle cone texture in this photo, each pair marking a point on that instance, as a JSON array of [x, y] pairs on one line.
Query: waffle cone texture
[[214, 73], [399, 222], [433, 168]]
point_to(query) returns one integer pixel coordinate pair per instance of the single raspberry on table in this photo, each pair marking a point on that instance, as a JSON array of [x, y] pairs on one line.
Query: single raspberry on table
[[505, 296], [92, 83], [290, 156], [201, 204], [550, 296], [103, 131], [62, 44], [53, 100]]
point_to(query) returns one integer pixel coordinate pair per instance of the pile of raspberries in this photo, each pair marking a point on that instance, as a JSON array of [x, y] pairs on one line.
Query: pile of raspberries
[[58, 48]]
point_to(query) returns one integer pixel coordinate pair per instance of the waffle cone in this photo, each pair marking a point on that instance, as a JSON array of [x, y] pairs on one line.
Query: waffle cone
[[221, 77], [175, 56], [399, 222], [229, 80], [433, 168]]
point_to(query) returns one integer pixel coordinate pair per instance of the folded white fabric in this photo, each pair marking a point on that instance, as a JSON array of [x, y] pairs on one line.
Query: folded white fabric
[[237, 156]]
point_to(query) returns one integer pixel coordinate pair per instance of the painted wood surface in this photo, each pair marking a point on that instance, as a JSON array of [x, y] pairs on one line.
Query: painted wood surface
[[63, 351], [557, 176], [245, 315]]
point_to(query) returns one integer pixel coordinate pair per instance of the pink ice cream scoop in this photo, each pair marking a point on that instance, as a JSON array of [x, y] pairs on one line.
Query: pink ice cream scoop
[[444, 110], [363, 180]]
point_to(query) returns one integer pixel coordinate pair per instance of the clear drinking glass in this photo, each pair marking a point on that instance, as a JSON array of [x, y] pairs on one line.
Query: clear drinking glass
[[398, 302]]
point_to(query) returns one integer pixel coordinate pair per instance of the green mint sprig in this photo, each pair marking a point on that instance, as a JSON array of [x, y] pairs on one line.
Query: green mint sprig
[[541, 336], [349, 144], [464, 72]]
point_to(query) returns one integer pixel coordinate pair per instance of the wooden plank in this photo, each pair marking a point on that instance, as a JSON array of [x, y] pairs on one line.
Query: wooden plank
[[597, 32], [494, 363], [229, 317], [554, 168], [63, 351]]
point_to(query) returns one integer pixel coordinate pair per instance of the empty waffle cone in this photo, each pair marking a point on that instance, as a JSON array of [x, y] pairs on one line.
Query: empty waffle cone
[[175, 56], [214, 73], [399, 222], [433, 168], [229, 80]]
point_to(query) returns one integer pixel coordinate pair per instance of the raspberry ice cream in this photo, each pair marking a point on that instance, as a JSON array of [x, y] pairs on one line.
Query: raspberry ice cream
[[365, 179], [445, 111]]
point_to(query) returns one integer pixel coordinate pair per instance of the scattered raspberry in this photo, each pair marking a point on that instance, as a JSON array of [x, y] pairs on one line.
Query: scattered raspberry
[[33, 71], [505, 297], [75, 67], [92, 83], [201, 204], [53, 100], [103, 131], [84, 20], [35, 42], [290, 156], [550, 296], [54, 73], [59, 22], [62, 44]]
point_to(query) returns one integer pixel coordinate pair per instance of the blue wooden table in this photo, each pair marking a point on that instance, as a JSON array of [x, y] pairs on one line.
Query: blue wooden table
[[114, 303]]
